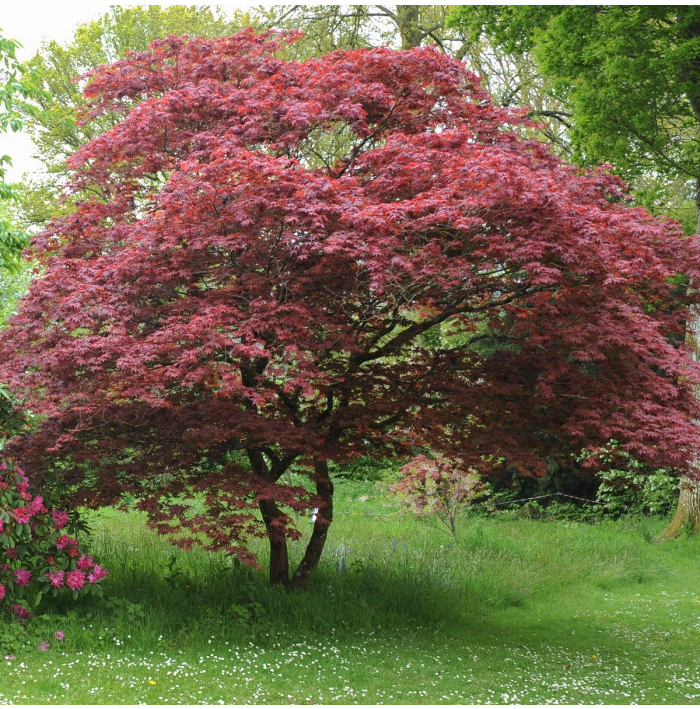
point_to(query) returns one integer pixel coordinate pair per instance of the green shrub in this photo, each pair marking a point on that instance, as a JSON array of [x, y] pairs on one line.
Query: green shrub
[[631, 492], [12, 421], [628, 486]]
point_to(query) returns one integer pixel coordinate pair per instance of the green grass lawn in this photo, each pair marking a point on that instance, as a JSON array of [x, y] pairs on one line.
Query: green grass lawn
[[514, 611]]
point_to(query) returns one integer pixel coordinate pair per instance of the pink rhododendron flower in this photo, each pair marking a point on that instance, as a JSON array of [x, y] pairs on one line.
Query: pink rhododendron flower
[[20, 611], [56, 578], [22, 577], [97, 573], [75, 579], [85, 562], [66, 542], [63, 541], [60, 518], [34, 533], [60, 635], [22, 515], [44, 646]]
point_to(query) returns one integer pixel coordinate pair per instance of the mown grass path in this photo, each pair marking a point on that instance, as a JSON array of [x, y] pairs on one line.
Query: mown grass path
[[516, 611]]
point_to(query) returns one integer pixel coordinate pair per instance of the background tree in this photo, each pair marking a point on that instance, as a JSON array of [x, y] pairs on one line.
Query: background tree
[[330, 27], [626, 74], [277, 242], [17, 82], [630, 77]]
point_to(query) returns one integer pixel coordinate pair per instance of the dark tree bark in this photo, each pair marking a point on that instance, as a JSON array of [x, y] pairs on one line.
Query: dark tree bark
[[274, 520], [279, 558], [314, 549]]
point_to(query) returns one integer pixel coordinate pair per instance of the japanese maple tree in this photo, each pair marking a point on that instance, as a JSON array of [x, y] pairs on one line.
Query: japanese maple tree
[[290, 263]]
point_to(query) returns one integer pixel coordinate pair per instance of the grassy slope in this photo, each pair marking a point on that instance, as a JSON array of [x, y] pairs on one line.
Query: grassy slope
[[516, 611]]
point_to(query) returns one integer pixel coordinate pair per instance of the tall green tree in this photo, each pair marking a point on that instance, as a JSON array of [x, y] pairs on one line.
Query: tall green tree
[[17, 83], [330, 27]]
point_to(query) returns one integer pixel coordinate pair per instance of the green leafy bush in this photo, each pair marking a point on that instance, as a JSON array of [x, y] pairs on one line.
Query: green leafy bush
[[11, 420], [629, 492], [627, 486]]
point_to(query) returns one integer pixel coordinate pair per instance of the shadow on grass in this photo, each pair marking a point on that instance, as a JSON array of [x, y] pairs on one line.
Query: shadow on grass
[[497, 573], [239, 603]]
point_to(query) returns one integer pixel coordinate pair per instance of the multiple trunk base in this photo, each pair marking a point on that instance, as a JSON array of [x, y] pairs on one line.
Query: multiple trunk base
[[279, 558]]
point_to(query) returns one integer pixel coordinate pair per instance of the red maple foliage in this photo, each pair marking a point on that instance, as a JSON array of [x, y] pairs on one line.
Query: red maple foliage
[[290, 262]]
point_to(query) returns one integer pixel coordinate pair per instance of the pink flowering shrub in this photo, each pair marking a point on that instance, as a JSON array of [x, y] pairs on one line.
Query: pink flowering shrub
[[36, 555], [438, 489]]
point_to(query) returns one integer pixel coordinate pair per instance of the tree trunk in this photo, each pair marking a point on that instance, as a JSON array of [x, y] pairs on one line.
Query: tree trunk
[[314, 549], [279, 559], [273, 518], [408, 21], [688, 510]]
